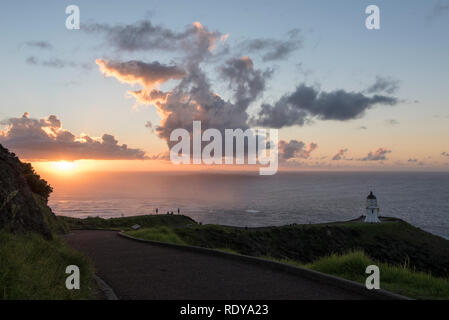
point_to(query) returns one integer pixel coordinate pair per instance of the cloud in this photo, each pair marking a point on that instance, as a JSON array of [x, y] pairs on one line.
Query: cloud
[[307, 102], [445, 154], [380, 154], [246, 82], [412, 160], [440, 8], [362, 128], [195, 40], [383, 84], [274, 49], [192, 96], [146, 74], [161, 156], [149, 125], [45, 139], [57, 63], [295, 149], [340, 154], [44, 45], [392, 122]]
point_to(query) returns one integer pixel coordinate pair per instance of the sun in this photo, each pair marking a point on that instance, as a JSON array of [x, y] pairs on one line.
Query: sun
[[64, 165]]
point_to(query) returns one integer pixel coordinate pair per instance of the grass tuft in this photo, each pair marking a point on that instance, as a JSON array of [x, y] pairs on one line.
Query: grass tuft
[[34, 268], [161, 234], [394, 278]]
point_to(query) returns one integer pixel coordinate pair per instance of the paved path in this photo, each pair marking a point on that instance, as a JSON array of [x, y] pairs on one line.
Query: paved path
[[138, 270]]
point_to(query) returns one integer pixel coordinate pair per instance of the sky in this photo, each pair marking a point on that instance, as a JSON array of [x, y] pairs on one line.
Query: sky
[[342, 96]]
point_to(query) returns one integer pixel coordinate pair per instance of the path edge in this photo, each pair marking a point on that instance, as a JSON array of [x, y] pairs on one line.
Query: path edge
[[107, 291]]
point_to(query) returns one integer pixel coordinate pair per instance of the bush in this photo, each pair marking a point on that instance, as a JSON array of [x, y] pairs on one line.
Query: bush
[[36, 184]]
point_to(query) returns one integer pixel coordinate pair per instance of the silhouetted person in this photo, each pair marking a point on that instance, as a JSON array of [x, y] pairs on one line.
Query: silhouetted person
[[179, 211], [168, 212], [157, 210], [171, 213]]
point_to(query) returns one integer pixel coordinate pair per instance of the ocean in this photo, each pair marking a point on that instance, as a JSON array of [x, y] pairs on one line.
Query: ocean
[[247, 199]]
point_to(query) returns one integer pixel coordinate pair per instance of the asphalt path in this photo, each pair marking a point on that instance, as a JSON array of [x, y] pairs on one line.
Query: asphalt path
[[137, 270]]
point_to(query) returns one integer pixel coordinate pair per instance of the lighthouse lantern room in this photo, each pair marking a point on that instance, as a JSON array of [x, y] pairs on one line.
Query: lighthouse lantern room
[[372, 210]]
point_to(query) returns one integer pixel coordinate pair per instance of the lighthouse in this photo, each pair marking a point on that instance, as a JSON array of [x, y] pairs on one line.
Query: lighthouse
[[372, 210]]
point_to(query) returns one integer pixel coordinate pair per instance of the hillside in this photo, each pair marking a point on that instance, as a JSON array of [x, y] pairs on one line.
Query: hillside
[[23, 198]]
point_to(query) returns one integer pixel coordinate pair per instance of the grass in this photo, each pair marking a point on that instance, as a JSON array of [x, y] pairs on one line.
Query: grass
[[161, 234], [399, 279], [54, 223], [34, 268]]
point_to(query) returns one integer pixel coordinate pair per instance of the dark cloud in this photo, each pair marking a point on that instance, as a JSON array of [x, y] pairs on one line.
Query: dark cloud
[[246, 82], [445, 154], [44, 45], [340, 154], [412, 160], [440, 8], [57, 63], [274, 49], [45, 139], [379, 154], [195, 40], [149, 125], [308, 102], [383, 85], [161, 156], [32, 60], [295, 149], [194, 99]]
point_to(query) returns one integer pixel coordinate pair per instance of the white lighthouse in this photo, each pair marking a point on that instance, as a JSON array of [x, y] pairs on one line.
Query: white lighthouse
[[372, 210]]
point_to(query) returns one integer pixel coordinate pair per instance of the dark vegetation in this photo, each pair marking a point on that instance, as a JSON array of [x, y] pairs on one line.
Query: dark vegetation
[[36, 184], [124, 223]]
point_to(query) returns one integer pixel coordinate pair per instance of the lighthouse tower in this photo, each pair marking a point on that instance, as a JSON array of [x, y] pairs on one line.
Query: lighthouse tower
[[372, 210]]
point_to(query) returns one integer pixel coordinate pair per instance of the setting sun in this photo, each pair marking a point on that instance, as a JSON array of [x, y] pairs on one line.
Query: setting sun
[[64, 165]]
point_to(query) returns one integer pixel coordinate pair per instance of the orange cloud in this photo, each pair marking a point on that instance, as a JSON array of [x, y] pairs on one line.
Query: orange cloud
[[148, 75]]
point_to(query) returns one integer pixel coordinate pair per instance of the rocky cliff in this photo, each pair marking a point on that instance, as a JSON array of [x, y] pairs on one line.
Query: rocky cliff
[[23, 198]]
